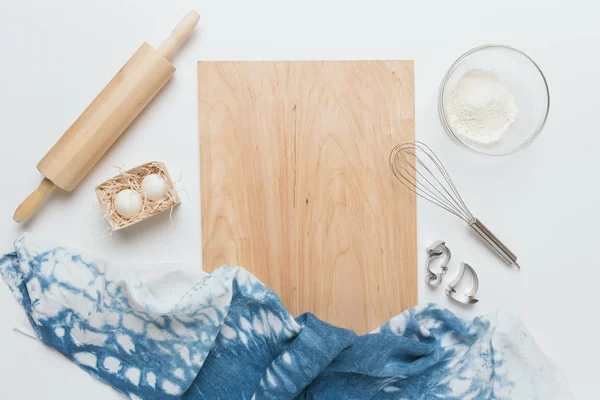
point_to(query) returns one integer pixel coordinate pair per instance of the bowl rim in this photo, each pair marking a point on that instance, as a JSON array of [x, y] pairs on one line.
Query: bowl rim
[[442, 109]]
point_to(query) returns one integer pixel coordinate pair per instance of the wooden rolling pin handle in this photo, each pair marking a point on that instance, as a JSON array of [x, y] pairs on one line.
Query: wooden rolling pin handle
[[30, 205], [179, 34]]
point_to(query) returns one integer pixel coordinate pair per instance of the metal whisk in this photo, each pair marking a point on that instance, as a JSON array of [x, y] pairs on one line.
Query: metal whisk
[[421, 171]]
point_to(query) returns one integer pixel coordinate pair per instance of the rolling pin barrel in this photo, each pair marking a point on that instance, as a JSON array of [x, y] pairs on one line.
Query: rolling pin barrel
[[107, 117]]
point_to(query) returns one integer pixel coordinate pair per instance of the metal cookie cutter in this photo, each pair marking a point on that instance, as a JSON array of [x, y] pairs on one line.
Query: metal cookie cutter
[[436, 250], [467, 298]]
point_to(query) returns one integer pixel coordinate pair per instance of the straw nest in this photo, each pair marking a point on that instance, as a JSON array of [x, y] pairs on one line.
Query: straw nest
[[132, 179]]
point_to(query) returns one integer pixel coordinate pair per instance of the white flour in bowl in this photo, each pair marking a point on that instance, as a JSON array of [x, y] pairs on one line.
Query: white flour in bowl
[[481, 107]]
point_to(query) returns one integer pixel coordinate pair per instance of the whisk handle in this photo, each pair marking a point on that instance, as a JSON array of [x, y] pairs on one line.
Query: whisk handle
[[494, 242]]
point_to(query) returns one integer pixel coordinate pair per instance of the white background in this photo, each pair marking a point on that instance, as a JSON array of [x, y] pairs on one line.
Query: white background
[[56, 56]]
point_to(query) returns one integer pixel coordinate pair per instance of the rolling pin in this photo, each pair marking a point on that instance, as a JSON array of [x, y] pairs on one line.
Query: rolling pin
[[101, 124]]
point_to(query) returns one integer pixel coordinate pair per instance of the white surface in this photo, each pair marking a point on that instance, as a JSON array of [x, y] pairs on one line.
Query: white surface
[[56, 56]]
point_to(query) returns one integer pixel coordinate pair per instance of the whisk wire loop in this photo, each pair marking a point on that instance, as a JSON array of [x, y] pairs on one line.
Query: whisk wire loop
[[421, 171], [416, 166]]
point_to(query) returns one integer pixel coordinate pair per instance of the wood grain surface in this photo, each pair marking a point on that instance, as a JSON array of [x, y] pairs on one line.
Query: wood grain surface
[[296, 185]]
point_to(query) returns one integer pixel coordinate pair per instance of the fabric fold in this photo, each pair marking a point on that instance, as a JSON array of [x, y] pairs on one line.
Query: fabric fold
[[169, 334]]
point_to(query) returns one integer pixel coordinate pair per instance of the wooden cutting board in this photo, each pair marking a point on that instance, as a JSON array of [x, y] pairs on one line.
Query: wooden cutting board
[[296, 185]]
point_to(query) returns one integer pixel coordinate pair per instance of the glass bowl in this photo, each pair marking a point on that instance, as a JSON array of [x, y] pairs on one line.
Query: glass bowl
[[527, 83]]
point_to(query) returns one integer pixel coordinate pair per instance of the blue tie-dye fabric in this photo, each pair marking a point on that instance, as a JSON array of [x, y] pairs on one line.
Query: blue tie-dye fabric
[[227, 336]]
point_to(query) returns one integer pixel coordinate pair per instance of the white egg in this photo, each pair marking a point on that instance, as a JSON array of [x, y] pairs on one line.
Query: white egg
[[128, 203], [154, 187]]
